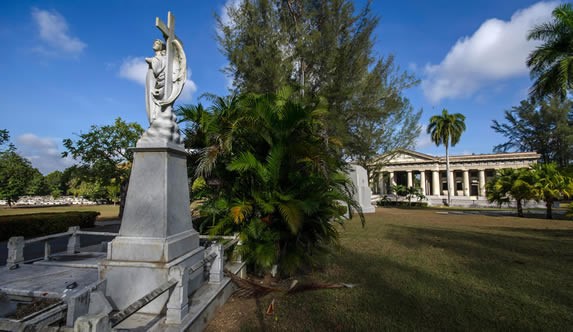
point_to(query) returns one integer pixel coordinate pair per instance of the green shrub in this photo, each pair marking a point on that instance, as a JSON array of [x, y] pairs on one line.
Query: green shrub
[[388, 203], [39, 224]]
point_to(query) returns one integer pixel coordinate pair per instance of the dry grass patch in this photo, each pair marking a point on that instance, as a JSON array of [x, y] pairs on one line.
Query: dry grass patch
[[107, 212]]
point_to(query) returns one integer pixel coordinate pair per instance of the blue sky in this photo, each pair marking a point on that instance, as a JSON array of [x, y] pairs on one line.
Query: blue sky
[[68, 65]]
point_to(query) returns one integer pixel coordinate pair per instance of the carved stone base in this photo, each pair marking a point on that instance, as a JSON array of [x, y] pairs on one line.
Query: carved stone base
[[156, 240], [163, 129], [128, 281]]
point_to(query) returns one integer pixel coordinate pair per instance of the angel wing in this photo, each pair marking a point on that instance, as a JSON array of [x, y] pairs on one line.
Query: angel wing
[[179, 72]]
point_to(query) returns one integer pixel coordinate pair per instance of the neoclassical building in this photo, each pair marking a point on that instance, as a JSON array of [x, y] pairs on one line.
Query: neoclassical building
[[468, 173]]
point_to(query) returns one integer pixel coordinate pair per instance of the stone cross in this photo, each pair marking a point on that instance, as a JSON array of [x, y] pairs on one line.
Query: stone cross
[[169, 35]]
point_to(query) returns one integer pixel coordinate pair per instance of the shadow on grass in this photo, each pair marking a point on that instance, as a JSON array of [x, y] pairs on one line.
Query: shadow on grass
[[442, 279]]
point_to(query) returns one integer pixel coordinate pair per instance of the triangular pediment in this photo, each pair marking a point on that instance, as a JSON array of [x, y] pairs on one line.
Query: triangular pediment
[[405, 156]]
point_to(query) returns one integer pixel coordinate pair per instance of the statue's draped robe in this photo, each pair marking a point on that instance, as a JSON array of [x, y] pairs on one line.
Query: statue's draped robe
[[155, 85]]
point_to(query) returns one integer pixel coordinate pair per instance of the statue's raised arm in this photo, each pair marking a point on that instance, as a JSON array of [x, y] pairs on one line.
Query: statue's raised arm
[[166, 76]]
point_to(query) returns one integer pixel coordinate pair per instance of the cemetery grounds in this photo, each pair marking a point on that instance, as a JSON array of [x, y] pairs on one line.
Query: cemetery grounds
[[420, 269], [428, 269]]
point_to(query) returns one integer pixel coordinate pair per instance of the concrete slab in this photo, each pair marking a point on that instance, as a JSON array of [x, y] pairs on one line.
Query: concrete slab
[[81, 260], [35, 280]]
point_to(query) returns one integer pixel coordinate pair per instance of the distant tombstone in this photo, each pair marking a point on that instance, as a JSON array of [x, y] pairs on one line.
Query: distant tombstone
[[362, 192]]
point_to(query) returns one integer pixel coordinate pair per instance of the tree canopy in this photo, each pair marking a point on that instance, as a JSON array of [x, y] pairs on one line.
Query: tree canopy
[[544, 127], [550, 185], [4, 137], [105, 154], [510, 184], [16, 174], [323, 49], [551, 64]]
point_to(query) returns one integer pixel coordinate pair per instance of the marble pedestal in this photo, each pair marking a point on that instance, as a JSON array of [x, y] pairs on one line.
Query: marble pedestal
[[156, 234]]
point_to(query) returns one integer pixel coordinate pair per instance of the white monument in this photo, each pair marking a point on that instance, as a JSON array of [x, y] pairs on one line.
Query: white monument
[[156, 241], [362, 193]]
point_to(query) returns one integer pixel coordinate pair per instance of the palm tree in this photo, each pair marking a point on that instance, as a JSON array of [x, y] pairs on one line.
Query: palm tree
[[551, 64], [270, 178], [511, 183], [447, 129], [550, 185]]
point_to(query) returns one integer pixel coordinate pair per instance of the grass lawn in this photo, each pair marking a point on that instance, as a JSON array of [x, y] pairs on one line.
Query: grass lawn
[[428, 270], [107, 212]]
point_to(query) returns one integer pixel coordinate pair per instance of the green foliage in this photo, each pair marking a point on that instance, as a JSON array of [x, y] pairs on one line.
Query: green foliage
[[414, 192], [105, 152], [541, 182], [398, 190], [113, 191], [92, 190], [543, 127], [54, 183], [4, 137], [323, 49], [388, 203], [511, 184], [551, 63], [267, 173], [447, 129], [39, 224], [15, 176], [550, 185], [37, 185]]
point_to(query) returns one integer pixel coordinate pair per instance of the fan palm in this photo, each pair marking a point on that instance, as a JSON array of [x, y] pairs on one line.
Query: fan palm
[[550, 185], [551, 64], [511, 183], [447, 129]]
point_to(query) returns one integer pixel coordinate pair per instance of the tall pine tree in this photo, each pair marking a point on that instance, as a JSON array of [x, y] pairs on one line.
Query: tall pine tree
[[324, 49]]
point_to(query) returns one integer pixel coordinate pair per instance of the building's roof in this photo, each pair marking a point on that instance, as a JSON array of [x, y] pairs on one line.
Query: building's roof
[[405, 156]]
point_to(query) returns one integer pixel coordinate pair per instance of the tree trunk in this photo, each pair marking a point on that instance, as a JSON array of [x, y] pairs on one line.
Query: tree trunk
[[519, 208], [549, 214], [448, 175]]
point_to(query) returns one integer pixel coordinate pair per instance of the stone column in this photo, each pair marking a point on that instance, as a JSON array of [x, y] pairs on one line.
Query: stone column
[[392, 182], [15, 250], [423, 182], [436, 183], [409, 179], [178, 304], [482, 182], [74, 240], [466, 183], [218, 264]]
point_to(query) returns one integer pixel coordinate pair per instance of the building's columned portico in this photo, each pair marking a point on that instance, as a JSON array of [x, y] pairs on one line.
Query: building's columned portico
[[468, 174]]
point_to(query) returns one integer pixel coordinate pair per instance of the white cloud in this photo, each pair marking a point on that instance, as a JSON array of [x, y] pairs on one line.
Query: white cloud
[[42, 152], [135, 69], [497, 50], [53, 30], [424, 140], [224, 15], [188, 90]]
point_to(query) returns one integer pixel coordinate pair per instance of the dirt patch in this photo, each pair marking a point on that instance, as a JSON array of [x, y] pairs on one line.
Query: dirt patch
[[26, 309], [235, 313]]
